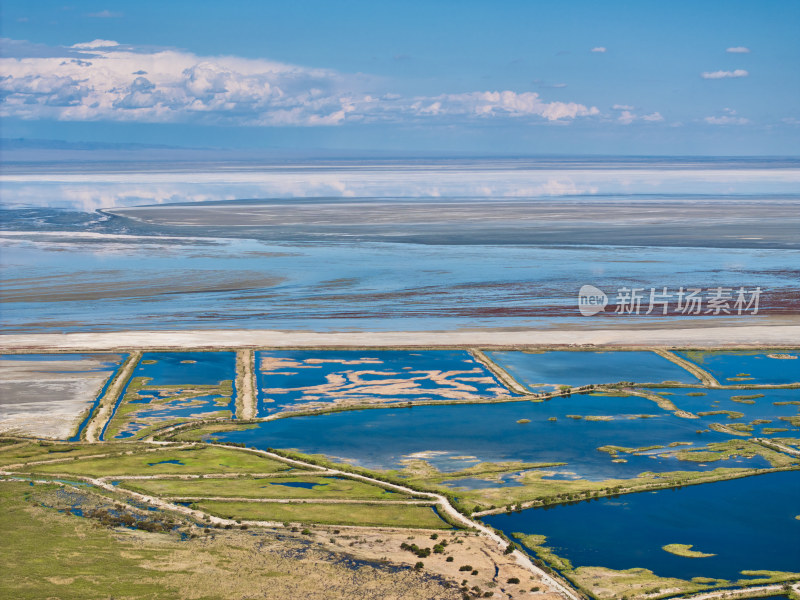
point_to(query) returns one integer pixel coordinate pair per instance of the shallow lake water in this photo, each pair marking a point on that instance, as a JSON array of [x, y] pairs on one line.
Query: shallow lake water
[[776, 405], [544, 371], [291, 377], [747, 523], [453, 437], [743, 367], [177, 373]]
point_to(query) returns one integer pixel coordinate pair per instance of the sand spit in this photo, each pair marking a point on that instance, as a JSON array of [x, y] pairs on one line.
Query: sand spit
[[724, 336]]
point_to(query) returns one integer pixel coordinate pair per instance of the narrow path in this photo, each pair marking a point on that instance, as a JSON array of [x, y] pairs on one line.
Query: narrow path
[[663, 402], [499, 372], [245, 384], [107, 403], [777, 446], [296, 500], [703, 375], [207, 476]]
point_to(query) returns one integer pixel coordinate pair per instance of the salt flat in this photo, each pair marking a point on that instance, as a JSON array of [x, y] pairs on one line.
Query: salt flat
[[783, 333]]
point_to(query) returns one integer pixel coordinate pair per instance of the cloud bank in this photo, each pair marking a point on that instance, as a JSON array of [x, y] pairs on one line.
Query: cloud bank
[[103, 80]]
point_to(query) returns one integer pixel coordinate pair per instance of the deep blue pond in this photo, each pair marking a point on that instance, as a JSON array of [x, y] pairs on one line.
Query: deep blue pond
[[181, 368], [744, 366], [748, 523], [457, 436], [547, 370], [290, 377]]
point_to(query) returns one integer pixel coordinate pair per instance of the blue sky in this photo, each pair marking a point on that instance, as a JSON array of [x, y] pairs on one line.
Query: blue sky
[[479, 77]]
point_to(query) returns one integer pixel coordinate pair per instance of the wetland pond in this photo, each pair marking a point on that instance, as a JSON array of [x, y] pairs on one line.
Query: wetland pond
[[171, 387], [746, 524], [761, 412], [545, 371], [300, 377], [454, 437], [775, 367]]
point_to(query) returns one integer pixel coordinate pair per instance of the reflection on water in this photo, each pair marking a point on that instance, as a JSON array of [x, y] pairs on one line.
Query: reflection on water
[[545, 371], [386, 245], [775, 367], [75, 285]]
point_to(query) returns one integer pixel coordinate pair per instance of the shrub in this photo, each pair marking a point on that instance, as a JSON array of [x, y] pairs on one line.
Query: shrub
[[514, 580], [465, 568]]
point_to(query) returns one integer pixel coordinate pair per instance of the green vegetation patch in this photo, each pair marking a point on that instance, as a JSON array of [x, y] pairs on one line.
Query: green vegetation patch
[[206, 433], [178, 461], [724, 450], [732, 414], [264, 487], [685, 550], [165, 395], [746, 399], [371, 515], [609, 584], [537, 544], [45, 450]]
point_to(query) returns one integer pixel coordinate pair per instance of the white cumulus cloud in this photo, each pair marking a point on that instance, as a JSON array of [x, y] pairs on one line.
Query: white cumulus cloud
[[724, 74], [738, 50], [104, 80], [600, 49]]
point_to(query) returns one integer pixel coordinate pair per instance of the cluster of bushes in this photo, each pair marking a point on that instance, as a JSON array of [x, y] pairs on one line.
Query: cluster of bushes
[[124, 519], [420, 552]]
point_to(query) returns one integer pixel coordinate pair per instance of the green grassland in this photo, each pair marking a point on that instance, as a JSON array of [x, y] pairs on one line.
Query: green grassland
[[205, 432], [38, 451], [393, 515], [47, 554], [266, 487], [194, 461]]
